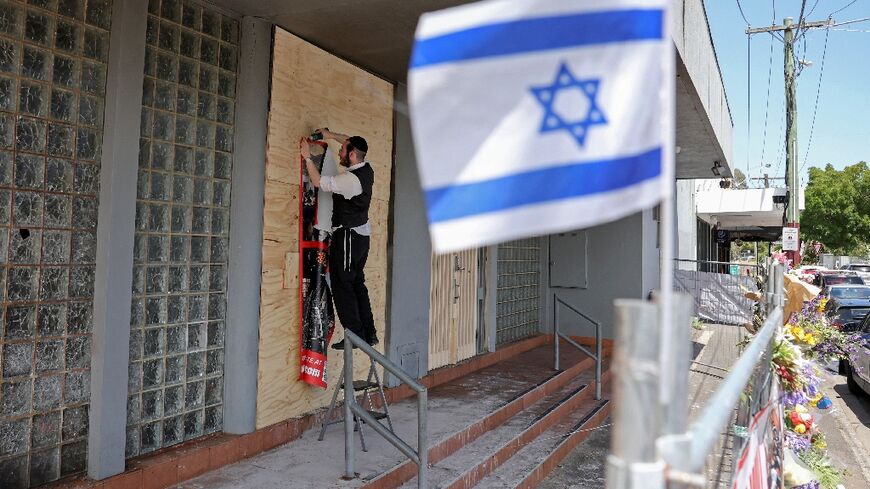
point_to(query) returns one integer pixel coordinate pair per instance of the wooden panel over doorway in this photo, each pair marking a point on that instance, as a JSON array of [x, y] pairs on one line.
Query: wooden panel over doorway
[[312, 88]]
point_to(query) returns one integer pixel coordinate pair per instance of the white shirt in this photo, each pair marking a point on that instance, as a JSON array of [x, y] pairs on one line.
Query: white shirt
[[347, 185]]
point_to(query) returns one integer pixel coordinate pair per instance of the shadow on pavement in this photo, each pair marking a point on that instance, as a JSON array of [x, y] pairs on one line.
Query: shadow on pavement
[[859, 405]]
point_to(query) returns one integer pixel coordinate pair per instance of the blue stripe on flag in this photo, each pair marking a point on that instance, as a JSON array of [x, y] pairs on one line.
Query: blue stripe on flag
[[539, 34], [539, 186]]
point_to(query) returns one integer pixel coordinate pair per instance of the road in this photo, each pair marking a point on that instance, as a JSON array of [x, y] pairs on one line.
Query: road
[[847, 428]]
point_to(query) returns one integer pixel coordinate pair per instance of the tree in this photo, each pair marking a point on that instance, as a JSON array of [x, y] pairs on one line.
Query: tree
[[739, 179], [837, 210]]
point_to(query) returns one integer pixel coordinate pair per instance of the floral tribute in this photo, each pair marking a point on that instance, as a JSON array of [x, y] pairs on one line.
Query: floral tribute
[[807, 341]]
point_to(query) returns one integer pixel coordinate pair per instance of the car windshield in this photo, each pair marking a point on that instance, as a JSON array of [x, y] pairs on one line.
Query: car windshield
[[850, 292], [860, 268], [843, 279]]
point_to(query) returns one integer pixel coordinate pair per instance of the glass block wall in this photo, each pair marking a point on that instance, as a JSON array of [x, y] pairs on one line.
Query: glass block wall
[[518, 308], [53, 56], [182, 226]]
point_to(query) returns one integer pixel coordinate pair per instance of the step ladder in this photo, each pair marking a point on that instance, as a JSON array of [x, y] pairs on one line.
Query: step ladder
[[372, 382]]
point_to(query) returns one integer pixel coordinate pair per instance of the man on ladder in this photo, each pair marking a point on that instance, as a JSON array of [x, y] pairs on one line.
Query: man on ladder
[[349, 248]]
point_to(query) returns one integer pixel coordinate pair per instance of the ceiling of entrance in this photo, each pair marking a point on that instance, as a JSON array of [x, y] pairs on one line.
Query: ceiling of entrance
[[377, 36], [373, 34]]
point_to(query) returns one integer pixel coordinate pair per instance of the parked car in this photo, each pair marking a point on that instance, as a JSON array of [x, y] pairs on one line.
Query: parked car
[[862, 269], [847, 306], [809, 273], [858, 376], [834, 277]]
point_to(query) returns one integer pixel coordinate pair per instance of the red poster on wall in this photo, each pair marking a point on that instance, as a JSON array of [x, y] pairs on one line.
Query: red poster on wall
[[315, 298]]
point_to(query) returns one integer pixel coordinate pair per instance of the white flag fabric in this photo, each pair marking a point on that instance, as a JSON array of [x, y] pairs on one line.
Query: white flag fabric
[[532, 117]]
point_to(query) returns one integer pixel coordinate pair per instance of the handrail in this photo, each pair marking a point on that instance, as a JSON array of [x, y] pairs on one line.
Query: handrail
[[558, 334], [351, 408], [755, 265]]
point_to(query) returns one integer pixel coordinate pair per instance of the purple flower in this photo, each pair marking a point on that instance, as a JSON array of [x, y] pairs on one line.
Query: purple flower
[[798, 444]]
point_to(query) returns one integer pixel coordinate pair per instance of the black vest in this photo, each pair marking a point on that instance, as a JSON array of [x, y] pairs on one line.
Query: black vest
[[354, 212]]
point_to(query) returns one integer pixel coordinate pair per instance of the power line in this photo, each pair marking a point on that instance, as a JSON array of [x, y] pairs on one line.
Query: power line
[[740, 7], [855, 21], [844, 7], [767, 105], [801, 16], [816, 107], [748, 97]]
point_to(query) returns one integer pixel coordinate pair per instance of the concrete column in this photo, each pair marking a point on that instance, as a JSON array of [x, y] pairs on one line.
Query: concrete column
[[246, 230], [410, 266], [114, 271]]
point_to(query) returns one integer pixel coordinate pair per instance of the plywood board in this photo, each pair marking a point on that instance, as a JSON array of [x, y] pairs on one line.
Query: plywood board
[[312, 89]]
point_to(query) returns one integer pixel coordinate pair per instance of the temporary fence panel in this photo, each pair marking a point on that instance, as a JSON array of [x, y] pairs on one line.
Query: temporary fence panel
[[453, 312], [518, 309], [719, 298]]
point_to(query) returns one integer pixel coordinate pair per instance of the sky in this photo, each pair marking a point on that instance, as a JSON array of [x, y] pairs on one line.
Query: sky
[[841, 132]]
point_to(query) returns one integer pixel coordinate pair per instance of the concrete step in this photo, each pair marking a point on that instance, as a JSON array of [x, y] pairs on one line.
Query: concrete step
[[486, 459], [481, 450], [552, 387], [530, 465]]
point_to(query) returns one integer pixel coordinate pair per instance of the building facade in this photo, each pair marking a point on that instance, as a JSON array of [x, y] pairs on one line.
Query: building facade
[[149, 207]]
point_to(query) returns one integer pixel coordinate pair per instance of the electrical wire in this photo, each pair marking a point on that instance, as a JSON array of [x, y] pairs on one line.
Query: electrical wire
[[740, 7], [767, 106], [816, 107], [748, 99], [801, 16], [855, 21], [843, 7]]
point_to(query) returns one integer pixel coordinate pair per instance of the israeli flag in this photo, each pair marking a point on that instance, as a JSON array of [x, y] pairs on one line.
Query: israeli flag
[[532, 117]]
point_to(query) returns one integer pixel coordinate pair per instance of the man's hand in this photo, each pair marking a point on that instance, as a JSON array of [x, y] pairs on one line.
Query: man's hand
[[304, 150], [325, 132]]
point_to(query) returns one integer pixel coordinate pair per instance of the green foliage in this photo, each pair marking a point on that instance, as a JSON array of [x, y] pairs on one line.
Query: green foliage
[[837, 210]]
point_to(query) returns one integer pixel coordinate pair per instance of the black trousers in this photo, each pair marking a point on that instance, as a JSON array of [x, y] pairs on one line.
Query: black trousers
[[348, 252]]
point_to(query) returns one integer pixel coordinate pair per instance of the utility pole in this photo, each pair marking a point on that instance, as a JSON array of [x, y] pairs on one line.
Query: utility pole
[[791, 169]]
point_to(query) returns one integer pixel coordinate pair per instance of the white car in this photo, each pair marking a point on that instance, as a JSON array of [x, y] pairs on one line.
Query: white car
[[862, 269], [858, 379]]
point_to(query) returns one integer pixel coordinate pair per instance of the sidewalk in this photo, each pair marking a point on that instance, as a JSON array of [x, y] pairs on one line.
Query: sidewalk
[[585, 467]]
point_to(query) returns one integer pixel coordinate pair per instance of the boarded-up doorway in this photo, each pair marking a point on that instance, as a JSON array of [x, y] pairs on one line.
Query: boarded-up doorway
[[453, 313]]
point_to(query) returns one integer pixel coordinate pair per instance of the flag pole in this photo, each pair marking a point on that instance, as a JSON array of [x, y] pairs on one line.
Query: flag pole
[[667, 215]]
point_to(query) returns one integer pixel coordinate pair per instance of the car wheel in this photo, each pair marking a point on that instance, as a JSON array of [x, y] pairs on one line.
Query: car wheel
[[853, 386]]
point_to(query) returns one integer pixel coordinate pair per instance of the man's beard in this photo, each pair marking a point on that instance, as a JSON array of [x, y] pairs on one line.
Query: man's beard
[[344, 161]]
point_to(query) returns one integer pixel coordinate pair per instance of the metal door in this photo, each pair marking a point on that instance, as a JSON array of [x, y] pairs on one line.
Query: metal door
[[453, 312], [518, 302]]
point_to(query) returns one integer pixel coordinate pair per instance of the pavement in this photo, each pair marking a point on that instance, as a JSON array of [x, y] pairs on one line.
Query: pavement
[[847, 430]]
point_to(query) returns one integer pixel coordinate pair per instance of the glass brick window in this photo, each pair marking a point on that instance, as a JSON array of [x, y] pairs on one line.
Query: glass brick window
[[53, 56], [182, 226], [518, 310]]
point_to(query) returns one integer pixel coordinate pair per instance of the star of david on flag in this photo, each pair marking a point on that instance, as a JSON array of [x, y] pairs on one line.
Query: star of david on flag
[[533, 117], [554, 121]]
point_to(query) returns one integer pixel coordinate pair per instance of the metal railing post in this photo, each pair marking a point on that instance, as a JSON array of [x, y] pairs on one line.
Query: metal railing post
[[598, 360], [675, 411], [633, 461], [348, 412], [422, 437], [556, 329]]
